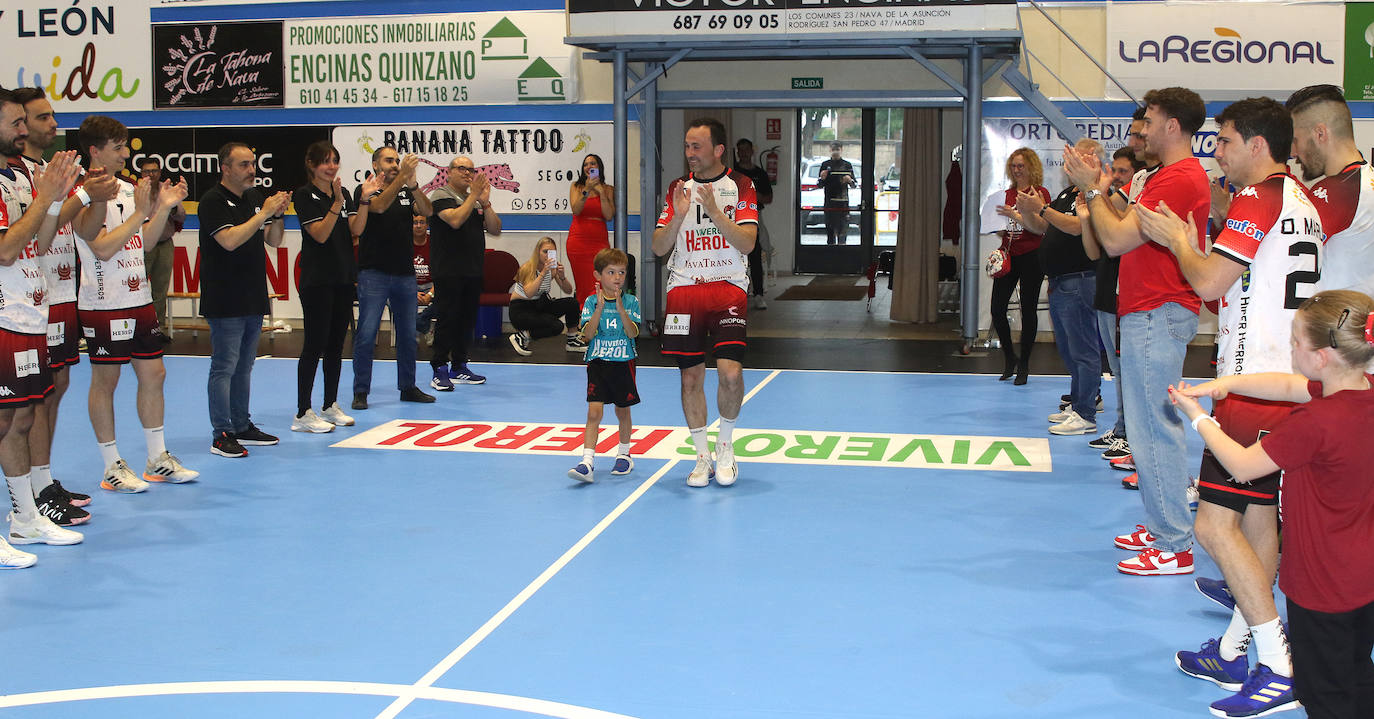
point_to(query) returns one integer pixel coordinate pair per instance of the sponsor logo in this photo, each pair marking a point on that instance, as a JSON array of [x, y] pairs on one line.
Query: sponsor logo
[[1320, 193], [38, 296], [88, 332], [64, 272], [25, 363], [121, 330], [6, 391], [1229, 47], [1249, 191], [57, 331], [742, 205], [734, 310], [133, 282], [677, 324], [1245, 227], [102, 351]]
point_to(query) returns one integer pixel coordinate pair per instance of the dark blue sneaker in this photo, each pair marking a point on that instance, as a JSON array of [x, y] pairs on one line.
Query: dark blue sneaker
[[1217, 591], [623, 465], [582, 472], [441, 382], [1206, 663], [1264, 693], [460, 374]]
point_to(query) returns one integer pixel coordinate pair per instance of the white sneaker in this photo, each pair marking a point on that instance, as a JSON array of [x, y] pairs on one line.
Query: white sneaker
[[40, 530], [1073, 424], [1059, 416], [119, 478], [11, 558], [727, 471], [701, 474], [334, 414], [1192, 493], [168, 468], [311, 422]]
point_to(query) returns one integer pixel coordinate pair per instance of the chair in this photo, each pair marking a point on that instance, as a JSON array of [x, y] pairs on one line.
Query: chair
[[498, 273]]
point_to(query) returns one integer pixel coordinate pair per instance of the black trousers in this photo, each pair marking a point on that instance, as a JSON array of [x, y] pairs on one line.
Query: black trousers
[[545, 316], [455, 303], [1026, 272], [756, 269], [327, 311], [1332, 670], [836, 221]]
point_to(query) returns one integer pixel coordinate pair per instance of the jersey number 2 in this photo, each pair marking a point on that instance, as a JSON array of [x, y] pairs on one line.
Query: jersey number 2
[[1294, 297]]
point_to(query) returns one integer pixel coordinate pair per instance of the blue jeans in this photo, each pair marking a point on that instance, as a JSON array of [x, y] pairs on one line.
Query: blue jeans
[[1075, 334], [233, 347], [1154, 344], [1106, 330], [377, 290]]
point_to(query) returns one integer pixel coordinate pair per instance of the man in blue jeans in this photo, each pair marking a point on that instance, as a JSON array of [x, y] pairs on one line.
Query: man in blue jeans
[[1158, 311], [236, 221], [386, 272]]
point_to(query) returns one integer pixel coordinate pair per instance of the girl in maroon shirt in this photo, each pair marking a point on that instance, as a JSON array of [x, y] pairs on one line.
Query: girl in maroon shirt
[[1026, 175]]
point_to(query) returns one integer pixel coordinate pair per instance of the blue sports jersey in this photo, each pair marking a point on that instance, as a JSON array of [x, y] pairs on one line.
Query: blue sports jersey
[[611, 342]]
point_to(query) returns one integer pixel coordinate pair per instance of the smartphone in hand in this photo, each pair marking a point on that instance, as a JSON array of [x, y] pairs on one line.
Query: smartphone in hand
[[594, 172]]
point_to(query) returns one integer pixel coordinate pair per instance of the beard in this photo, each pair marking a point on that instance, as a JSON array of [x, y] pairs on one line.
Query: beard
[[11, 148], [1311, 173]]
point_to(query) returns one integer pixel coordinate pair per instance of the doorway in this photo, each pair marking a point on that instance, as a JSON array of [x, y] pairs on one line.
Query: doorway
[[847, 217]]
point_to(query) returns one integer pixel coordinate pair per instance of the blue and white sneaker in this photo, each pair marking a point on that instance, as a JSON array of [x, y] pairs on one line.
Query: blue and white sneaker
[[460, 374], [1217, 591], [1206, 663], [582, 472], [1264, 693], [441, 382], [623, 465]]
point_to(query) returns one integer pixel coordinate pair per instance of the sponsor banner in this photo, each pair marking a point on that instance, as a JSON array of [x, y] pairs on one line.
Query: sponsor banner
[[530, 165], [90, 57], [781, 446], [1224, 49], [672, 20], [480, 58], [217, 65], [1359, 51]]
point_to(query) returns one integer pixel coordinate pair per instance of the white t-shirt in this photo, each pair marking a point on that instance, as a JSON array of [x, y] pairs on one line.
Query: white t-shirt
[[59, 262], [700, 253], [120, 282], [23, 291]]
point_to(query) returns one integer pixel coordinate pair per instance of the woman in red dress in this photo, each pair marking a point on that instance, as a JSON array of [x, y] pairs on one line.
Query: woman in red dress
[[592, 201]]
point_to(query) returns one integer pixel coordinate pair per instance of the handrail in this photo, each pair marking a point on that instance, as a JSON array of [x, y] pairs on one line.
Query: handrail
[[1081, 49]]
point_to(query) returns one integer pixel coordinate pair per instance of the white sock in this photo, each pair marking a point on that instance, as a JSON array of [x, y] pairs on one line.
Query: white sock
[[1236, 641], [156, 444], [700, 442], [725, 446], [589, 455], [21, 496], [109, 453], [623, 450], [1272, 647], [41, 478]]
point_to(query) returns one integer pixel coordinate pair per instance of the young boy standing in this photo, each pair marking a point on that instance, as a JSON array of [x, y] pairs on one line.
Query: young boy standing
[[610, 323]]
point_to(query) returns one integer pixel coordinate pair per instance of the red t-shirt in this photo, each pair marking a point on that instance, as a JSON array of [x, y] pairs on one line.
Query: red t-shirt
[[1150, 276], [421, 254], [1327, 500], [1019, 240]]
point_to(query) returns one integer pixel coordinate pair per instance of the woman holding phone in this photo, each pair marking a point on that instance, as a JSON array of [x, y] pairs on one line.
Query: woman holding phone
[[533, 312], [592, 201]]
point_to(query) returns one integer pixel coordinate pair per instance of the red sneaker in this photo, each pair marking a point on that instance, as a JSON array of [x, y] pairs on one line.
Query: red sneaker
[[1135, 541], [1125, 464], [1131, 481], [1152, 561]]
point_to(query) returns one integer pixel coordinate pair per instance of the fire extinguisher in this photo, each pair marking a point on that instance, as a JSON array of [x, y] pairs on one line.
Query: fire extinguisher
[[770, 163]]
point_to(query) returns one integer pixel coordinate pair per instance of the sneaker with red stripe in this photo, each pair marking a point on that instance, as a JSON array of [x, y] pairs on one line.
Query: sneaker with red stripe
[[1152, 561], [1132, 481], [1135, 541], [1125, 464]]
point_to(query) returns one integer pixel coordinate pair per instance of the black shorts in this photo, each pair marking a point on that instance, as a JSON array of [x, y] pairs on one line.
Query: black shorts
[[25, 377], [717, 309], [64, 335], [116, 336], [1244, 419], [612, 382]]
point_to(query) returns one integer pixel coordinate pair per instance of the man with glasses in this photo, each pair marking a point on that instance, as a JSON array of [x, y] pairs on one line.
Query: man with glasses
[[157, 253]]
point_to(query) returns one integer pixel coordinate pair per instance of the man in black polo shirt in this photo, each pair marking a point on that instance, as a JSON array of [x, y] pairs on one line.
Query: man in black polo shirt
[[836, 177], [1073, 284], [463, 217], [236, 221], [386, 272]]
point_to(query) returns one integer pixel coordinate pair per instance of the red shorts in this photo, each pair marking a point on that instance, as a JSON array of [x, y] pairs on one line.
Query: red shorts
[[25, 377], [64, 335], [719, 310], [1244, 419], [115, 336]]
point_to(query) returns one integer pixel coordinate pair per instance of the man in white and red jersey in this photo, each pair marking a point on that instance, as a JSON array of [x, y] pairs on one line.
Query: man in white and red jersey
[[1158, 313], [59, 266], [1324, 143], [1265, 263], [709, 222], [115, 305], [29, 206]]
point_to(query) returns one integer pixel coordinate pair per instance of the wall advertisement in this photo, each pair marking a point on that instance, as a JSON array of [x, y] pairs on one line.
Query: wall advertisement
[[217, 65], [1224, 50], [90, 57], [444, 59], [530, 165]]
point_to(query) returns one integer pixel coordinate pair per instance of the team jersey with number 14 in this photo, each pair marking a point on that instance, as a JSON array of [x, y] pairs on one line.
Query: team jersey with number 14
[[700, 253], [1274, 232]]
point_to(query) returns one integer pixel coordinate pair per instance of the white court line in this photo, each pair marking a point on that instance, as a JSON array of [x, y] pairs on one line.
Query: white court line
[[448, 662]]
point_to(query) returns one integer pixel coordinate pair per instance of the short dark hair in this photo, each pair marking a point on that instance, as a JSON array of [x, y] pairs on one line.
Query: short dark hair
[[1139, 114], [319, 153], [98, 130], [1181, 104], [377, 153], [1263, 117], [147, 160], [26, 95], [227, 149], [1312, 95], [7, 96], [1125, 153], [717, 129]]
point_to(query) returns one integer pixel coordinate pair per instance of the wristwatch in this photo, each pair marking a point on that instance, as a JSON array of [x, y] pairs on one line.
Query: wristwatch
[[1091, 195]]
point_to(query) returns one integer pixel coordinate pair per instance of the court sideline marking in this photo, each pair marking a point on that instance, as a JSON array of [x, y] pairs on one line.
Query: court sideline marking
[[448, 662]]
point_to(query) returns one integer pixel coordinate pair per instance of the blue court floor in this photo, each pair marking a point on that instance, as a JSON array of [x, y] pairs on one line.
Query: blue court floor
[[898, 545]]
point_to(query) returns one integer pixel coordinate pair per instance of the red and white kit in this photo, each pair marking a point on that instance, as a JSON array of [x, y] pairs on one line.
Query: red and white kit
[[700, 253], [1346, 203]]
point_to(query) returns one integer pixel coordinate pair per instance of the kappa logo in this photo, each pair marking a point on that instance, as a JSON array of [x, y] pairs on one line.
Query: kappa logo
[[6, 391], [1249, 191], [102, 351], [1320, 192]]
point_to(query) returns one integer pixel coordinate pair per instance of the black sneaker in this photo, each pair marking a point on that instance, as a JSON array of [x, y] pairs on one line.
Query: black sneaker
[[1118, 449], [226, 446], [1065, 400], [53, 506], [1105, 440], [76, 499], [414, 394], [359, 401], [255, 437]]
